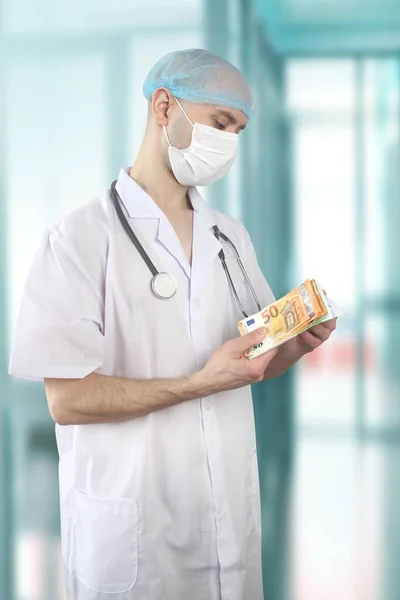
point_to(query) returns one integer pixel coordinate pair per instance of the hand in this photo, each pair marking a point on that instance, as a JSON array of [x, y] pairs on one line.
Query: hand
[[229, 369], [315, 336]]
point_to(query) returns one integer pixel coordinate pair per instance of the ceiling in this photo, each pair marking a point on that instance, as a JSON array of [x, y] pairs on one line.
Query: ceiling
[[332, 26]]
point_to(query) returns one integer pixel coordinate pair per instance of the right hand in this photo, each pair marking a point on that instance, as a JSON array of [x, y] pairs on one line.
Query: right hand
[[229, 369]]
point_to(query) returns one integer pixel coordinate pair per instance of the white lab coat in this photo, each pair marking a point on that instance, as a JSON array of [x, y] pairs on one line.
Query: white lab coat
[[166, 506]]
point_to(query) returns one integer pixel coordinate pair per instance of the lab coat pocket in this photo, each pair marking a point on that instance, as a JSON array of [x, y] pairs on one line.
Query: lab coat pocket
[[255, 492], [105, 543]]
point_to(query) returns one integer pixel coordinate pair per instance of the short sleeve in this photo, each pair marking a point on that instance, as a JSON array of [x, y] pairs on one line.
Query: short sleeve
[[59, 329], [262, 288]]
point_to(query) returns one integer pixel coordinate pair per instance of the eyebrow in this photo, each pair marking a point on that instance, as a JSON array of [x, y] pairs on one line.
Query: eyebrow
[[231, 118]]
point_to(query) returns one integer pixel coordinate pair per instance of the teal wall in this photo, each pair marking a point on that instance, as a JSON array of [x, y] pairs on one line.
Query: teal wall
[[238, 34]]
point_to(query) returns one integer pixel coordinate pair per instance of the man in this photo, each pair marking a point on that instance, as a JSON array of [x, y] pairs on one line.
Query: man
[[150, 395]]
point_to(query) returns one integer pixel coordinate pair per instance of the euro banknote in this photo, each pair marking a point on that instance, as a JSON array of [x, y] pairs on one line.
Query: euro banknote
[[302, 308]]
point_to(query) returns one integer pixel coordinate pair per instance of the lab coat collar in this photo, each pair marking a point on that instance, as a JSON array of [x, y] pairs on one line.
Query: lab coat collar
[[206, 213], [140, 205], [136, 201]]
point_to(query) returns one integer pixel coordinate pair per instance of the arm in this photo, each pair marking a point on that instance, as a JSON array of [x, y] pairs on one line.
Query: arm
[[102, 399]]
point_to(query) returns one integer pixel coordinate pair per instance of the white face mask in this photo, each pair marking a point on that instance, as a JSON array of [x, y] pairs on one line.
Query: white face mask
[[208, 158]]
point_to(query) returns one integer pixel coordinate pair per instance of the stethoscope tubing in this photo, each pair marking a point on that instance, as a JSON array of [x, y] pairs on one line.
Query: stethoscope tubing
[[155, 273]]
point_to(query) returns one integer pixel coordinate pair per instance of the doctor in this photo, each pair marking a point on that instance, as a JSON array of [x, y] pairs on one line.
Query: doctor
[[144, 374]]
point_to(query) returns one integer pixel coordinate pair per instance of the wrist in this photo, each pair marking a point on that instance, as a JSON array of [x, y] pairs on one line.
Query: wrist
[[200, 384]]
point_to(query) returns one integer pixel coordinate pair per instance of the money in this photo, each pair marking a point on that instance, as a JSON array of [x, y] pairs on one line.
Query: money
[[302, 308]]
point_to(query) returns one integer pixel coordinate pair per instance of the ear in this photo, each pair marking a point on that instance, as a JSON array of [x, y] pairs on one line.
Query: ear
[[161, 102]]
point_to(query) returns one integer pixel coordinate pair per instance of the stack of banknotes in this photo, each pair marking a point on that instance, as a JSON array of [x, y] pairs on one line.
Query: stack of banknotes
[[302, 308]]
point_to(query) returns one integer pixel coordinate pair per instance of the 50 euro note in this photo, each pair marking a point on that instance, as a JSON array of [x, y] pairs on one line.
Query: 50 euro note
[[302, 308]]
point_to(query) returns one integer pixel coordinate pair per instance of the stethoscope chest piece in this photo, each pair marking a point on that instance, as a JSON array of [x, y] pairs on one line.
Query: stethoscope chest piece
[[164, 285]]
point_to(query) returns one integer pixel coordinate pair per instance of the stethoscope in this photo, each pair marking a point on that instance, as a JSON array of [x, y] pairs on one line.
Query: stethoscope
[[163, 284]]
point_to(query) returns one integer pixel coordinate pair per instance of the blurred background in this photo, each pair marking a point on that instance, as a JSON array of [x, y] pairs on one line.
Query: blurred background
[[317, 184]]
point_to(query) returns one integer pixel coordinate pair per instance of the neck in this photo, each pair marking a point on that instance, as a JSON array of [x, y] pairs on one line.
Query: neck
[[152, 174]]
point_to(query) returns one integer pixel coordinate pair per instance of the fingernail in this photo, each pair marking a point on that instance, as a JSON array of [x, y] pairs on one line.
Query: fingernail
[[262, 330]]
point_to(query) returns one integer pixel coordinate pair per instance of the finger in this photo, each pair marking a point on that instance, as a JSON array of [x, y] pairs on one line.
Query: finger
[[320, 332], [330, 325], [256, 367], [241, 344], [310, 341], [262, 362]]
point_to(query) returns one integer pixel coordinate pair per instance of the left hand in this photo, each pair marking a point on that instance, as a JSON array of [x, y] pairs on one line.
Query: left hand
[[317, 335]]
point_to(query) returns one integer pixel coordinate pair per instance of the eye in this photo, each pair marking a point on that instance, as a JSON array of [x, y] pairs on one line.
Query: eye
[[219, 125]]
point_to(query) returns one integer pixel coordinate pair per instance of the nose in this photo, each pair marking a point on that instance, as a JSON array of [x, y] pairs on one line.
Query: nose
[[233, 129]]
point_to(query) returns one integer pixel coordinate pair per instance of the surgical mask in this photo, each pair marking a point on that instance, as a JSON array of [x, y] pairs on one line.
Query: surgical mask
[[208, 158]]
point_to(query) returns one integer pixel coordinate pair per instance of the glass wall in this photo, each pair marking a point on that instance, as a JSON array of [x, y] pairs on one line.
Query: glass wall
[[345, 150], [345, 120], [321, 102]]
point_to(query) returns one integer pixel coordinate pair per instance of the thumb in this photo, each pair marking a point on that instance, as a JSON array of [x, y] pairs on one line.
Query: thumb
[[243, 343]]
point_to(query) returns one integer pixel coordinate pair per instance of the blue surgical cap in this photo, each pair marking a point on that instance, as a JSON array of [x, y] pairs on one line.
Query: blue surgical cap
[[200, 77]]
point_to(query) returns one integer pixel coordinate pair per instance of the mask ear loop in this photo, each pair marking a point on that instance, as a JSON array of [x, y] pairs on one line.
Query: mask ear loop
[[165, 128], [181, 107]]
